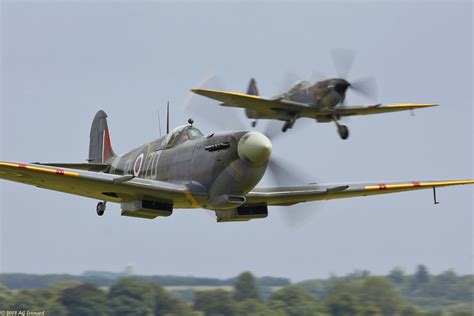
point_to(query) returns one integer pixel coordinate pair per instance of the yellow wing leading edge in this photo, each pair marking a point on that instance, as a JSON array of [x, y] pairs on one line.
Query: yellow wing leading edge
[[96, 184], [267, 107], [297, 194]]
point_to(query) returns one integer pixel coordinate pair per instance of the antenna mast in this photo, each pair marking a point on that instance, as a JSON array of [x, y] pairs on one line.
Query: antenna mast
[[159, 120], [168, 118]]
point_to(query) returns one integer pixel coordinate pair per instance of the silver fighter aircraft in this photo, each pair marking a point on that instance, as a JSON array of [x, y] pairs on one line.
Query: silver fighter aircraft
[[185, 169]]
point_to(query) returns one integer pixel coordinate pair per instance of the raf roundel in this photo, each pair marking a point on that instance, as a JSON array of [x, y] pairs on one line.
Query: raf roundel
[[137, 166]]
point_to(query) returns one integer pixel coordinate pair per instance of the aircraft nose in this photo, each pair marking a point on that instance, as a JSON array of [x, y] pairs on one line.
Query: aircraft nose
[[341, 86], [255, 148]]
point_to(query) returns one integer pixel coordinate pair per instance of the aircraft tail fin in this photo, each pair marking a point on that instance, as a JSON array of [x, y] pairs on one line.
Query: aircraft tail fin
[[252, 89], [100, 146]]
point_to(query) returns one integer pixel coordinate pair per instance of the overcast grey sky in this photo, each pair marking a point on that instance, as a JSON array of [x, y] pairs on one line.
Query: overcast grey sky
[[62, 61]]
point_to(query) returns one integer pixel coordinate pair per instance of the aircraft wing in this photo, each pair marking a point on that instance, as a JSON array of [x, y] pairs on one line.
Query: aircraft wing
[[100, 186], [269, 107], [81, 166], [378, 109], [281, 196], [255, 102]]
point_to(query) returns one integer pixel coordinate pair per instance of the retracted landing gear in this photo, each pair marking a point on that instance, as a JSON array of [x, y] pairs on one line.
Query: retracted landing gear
[[100, 208]]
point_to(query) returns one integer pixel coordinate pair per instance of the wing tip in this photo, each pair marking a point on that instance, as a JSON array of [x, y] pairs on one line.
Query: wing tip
[[420, 105], [204, 91]]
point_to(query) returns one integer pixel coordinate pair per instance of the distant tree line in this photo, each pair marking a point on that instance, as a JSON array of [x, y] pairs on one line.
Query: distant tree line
[[443, 292], [105, 279], [357, 293]]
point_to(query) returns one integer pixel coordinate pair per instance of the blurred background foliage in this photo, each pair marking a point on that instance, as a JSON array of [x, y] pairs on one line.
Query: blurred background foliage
[[358, 293]]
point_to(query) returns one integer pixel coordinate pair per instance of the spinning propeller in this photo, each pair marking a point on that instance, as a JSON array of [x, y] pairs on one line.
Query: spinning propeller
[[343, 60]]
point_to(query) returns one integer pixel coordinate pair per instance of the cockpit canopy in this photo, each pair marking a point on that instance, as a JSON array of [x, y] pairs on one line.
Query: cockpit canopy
[[181, 134], [300, 84]]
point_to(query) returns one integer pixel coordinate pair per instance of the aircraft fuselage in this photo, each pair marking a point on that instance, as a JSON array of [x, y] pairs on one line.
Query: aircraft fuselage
[[210, 166]]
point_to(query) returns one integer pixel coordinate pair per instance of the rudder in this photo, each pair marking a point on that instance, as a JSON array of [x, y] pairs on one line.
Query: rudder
[[252, 90], [100, 146]]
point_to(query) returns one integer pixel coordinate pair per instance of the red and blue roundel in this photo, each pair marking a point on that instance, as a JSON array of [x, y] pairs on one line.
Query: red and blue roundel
[[137, 166]]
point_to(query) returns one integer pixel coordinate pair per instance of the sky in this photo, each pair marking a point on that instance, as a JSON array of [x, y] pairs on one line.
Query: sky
[[62, 61]]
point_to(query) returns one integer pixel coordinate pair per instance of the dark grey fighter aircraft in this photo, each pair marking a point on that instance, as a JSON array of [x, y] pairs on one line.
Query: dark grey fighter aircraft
[[321, 101], [186, 169]]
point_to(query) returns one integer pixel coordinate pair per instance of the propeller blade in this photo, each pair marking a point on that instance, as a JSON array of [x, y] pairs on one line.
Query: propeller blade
[[343, 60], [298, 215], [315, 76], [289, 79], [366, 87], [294, 216], [210, 214], [273, 129], [281, 174], [207, 82], [217, 117]]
